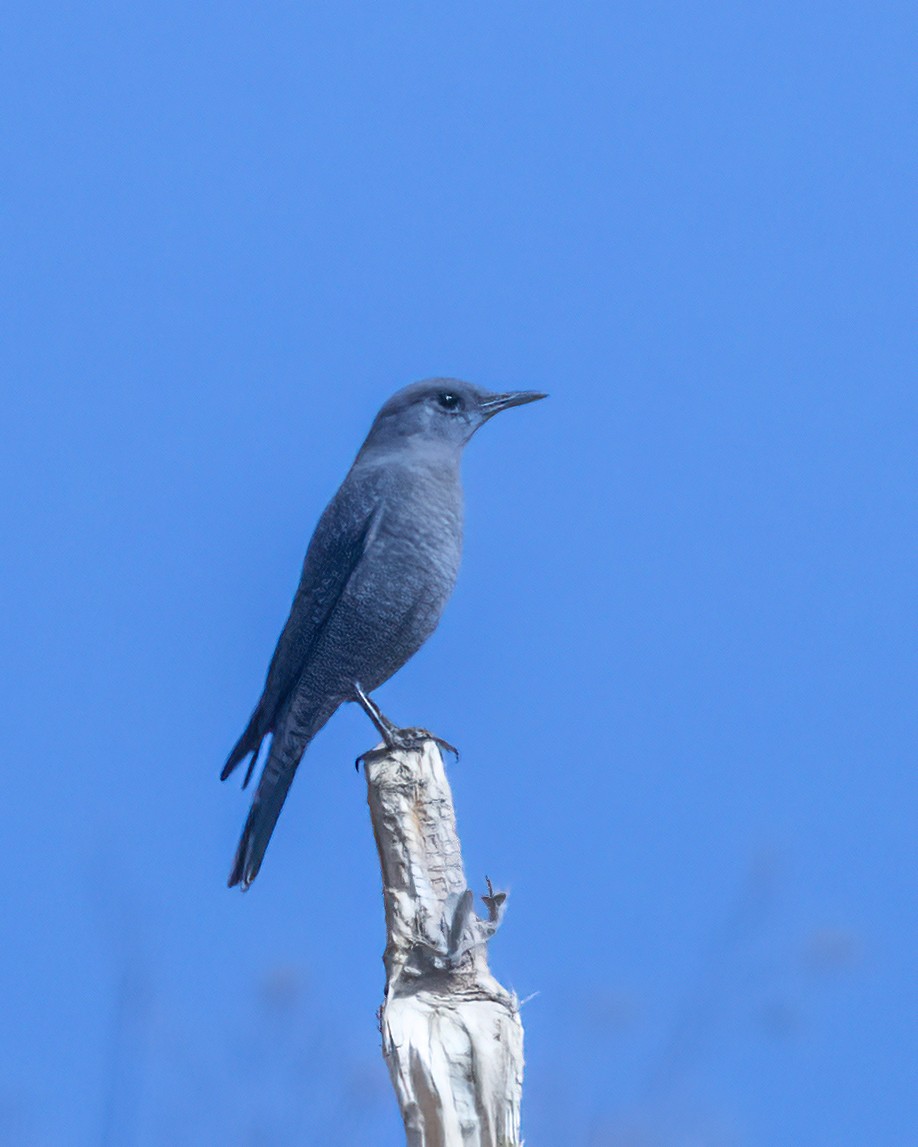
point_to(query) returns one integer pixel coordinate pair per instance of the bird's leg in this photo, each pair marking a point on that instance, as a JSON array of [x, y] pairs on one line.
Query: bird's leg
[[393, 736], [384, 726]]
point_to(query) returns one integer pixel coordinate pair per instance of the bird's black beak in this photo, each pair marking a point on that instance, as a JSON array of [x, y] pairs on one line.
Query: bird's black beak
[[498, 402]]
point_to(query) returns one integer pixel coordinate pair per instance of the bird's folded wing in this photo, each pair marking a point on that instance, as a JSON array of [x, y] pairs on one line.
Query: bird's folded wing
[[340, 541]]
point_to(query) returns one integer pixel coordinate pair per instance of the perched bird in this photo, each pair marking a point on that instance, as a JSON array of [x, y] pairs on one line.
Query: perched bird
[[378, 572]]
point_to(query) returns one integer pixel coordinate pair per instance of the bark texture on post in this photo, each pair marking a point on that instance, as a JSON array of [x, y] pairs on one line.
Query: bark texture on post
[[452, 1036]]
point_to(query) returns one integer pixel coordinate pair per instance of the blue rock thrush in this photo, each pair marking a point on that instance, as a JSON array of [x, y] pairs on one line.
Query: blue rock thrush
[[378, 572]]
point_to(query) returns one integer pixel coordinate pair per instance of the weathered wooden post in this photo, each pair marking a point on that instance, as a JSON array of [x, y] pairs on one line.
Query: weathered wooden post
[[451, 1035]]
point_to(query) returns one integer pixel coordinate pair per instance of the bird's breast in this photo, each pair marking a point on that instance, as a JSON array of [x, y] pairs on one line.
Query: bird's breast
[[423, 527]]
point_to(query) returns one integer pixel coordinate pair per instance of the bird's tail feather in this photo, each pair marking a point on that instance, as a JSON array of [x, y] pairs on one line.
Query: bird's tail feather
[[249, 742], [269, 800], [290, 738]]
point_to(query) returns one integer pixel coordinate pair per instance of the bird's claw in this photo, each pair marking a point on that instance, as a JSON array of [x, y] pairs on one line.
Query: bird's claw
[[446, 747], [411, 740], [416, 738]]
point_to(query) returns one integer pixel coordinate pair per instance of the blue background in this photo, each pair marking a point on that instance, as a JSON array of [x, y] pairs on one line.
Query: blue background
[[681, 659]]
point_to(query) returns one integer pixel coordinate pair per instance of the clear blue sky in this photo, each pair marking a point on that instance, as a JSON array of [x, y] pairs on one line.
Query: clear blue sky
[[681, 659]]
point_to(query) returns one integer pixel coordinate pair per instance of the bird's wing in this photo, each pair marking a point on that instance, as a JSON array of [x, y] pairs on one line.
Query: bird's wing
[[339, 542]]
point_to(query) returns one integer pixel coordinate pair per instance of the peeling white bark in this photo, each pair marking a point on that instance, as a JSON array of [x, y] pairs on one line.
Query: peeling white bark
[[452, 1036]]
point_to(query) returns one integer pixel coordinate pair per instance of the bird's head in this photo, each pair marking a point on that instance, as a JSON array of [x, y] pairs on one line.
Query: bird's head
[[444, 410]]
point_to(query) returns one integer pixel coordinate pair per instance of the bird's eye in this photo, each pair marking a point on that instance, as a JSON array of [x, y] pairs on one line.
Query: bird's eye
[[449, 401]]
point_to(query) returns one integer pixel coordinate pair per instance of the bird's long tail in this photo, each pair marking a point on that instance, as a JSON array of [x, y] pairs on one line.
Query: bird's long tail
[[289, 742], [269, 800]]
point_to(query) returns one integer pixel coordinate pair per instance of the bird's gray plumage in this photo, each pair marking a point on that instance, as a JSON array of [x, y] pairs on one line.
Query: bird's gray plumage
[[377, 575]]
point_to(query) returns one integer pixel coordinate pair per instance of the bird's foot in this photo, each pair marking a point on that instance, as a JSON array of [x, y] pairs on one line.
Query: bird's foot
[[411, 740], [415, 739], [393, 737]]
